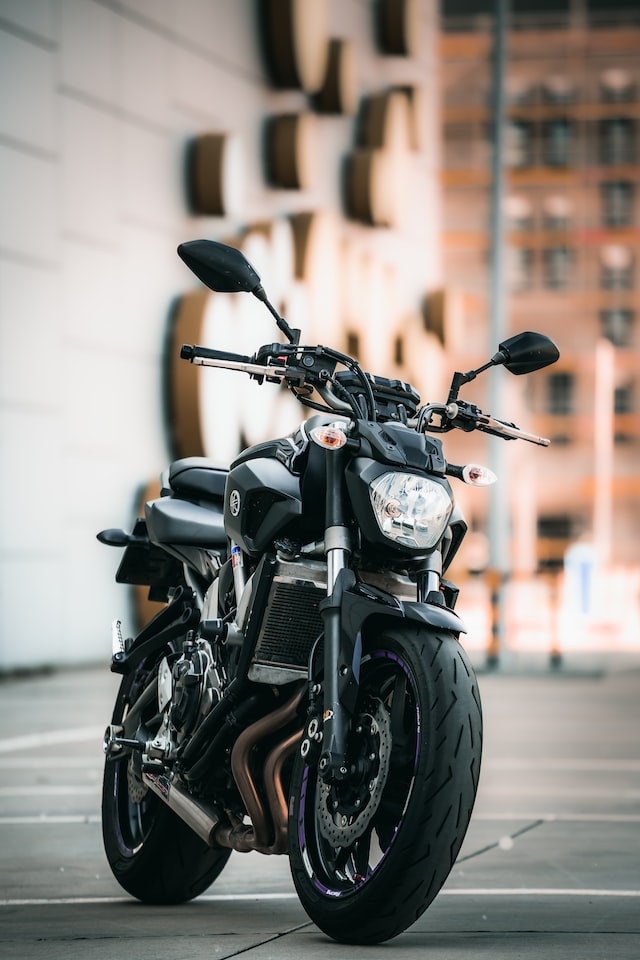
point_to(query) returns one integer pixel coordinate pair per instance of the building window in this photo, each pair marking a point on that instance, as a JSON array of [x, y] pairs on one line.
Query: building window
[[617, 86], [520, 90], [617, 203], [557, 140], [623, 403], [519, 143], [558, 527], [519, 269], [557, 212], [616, 266], [556, 267], [518, 212], [560, 395], [617, 326], [617, 140], [623, 399], [557, 89]]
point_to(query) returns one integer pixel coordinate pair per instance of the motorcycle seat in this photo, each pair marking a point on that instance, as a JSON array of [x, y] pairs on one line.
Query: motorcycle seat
[[181, 523], [197, 478]]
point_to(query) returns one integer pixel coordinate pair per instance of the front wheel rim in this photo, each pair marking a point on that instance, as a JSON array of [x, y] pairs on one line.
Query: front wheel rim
[[336, 870]]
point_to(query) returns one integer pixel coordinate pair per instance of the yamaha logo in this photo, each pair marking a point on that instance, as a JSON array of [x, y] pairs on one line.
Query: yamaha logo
[[234, 503]]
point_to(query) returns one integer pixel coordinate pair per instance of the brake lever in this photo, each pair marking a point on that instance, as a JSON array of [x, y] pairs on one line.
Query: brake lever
[[510, 431]]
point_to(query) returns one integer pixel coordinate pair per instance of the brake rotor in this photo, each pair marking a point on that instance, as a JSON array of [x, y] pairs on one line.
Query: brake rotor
[[345, 810], [137, 789]]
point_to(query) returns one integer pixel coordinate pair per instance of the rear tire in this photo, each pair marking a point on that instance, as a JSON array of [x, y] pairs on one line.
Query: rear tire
[[369, 857], [153, 854]]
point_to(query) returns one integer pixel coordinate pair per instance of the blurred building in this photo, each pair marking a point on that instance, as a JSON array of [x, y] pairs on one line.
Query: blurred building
[[132, 126], [125, 129], [572, 228]]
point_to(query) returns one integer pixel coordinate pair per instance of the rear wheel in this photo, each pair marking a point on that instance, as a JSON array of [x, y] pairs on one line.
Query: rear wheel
[[153, 854], [369, 855]]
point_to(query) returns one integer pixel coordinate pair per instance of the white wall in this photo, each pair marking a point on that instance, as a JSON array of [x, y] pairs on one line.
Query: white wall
[[98, 101]]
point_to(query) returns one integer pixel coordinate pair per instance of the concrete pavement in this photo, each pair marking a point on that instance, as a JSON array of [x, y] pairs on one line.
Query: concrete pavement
[[550, 867]]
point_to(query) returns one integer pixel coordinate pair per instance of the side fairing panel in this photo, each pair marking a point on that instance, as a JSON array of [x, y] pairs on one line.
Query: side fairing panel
[[262, 501]]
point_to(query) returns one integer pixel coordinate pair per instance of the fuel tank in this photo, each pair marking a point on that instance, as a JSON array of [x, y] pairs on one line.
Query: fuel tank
[[276, 490]]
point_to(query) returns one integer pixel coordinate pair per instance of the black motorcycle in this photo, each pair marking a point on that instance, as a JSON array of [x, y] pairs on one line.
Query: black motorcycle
[[303, 690]]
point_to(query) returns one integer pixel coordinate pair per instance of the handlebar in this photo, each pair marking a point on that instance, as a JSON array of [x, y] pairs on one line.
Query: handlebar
[[193, 353], [204, 357], [466, 416], [303, 367], [508, 431]]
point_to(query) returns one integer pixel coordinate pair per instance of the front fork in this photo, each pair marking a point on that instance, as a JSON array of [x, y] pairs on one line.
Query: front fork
[[343, 647], [341, 659]]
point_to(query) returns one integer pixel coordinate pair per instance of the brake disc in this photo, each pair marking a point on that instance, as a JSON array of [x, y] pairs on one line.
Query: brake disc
[[343, 820], [137, 789]]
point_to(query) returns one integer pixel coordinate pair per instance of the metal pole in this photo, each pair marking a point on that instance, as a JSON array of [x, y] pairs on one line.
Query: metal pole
[[603, 452], [498, 510]]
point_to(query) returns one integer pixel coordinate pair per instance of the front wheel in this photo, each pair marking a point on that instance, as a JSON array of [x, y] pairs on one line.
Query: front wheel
[[368, 855]]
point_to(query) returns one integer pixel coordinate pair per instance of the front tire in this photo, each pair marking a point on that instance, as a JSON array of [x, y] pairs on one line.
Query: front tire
[[153, 854], [368, 857]]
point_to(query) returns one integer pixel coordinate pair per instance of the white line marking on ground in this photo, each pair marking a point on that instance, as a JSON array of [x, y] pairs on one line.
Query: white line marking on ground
[[554, 791], [45, 818], [51, 790], [53, 763], [536, 892], [73, 901], [574, 764], [51, 818], [31, 741], [248, 897], [561, 817]]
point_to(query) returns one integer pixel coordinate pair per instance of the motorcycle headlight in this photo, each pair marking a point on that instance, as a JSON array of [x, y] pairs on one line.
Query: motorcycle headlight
[[413, 511]]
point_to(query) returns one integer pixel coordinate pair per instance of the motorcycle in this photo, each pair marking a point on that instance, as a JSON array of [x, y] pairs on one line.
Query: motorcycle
[[303, 690]]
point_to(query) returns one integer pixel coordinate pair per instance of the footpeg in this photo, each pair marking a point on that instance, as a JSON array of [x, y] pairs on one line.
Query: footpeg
[[113, 743]]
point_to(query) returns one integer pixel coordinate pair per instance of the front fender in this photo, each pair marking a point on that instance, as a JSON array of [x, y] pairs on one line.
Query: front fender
[[361, 602], [350, 612], [361, 605], [435, 616]]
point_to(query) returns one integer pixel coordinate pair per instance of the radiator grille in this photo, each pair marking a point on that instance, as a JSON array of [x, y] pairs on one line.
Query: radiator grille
[[292, 624]]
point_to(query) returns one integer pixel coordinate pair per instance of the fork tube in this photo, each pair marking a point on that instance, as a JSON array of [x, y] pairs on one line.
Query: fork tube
[[336, 533], [429, 574], [333, 764]]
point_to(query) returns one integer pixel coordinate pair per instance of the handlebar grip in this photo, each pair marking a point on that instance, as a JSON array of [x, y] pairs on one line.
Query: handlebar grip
[[188, 352]]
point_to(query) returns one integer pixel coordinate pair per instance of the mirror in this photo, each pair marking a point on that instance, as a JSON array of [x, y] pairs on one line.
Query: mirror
[[220, 267], [526, 352], [523, 353], [225, 269]]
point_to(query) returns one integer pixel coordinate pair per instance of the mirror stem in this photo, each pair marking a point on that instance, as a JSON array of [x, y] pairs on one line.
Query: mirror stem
[[459, 379], [293, 336]]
